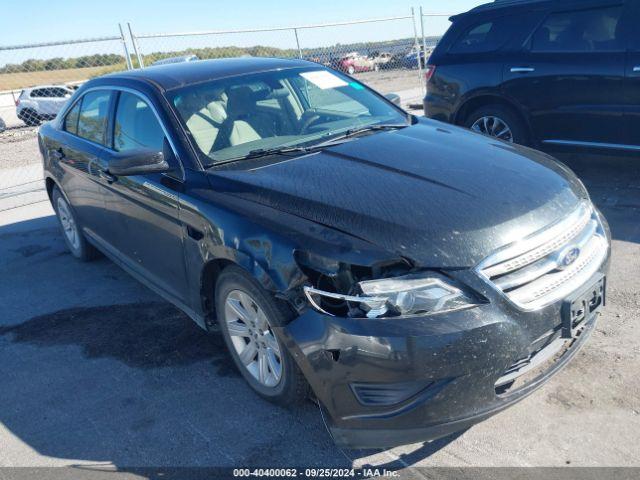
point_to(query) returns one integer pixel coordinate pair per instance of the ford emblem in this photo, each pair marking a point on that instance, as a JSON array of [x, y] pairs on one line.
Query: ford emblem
[[568, 256]]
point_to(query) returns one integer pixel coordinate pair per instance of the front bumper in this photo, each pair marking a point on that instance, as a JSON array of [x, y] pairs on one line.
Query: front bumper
[[386, 382]]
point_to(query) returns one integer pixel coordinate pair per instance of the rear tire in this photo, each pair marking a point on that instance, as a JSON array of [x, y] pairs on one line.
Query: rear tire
[[30, 117], [248, 317], [492, 120], [71, 230]]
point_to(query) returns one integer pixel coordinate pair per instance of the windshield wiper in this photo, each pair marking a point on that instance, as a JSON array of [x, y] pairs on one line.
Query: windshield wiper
[[354, 132], [281, 150], [264, 152]]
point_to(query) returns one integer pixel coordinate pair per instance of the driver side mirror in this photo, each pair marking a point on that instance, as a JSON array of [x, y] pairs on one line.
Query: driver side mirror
[[137, 162]]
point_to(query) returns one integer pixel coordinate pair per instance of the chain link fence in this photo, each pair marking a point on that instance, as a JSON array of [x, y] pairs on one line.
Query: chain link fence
[[36, 80], [382, 52]]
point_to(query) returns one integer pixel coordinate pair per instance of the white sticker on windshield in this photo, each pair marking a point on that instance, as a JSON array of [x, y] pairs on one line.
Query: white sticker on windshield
[[324, 79]]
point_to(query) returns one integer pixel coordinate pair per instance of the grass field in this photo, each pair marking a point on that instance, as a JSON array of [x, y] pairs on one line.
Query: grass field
[[16, 81]]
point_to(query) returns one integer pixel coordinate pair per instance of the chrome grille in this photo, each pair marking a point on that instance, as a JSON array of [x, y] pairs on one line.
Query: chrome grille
[[550, 264]]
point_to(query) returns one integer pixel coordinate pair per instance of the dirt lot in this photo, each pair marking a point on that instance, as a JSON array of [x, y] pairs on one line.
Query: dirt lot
[[98, 371], [14, 81]]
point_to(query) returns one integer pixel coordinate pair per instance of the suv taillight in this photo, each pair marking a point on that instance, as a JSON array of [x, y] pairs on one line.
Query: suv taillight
[[429, 71]]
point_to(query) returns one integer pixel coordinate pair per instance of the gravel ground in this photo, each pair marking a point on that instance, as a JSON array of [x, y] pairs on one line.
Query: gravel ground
[[97, 370], [18, 147]]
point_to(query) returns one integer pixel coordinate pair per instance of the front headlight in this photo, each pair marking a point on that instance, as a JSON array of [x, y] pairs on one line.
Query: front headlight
[[413, 294]]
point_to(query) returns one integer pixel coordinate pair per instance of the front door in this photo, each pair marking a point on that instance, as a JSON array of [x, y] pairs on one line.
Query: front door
[[571, 78], [149, 234]]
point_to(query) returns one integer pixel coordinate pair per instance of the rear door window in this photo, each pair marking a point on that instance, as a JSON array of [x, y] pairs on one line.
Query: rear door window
[[58, 92], [594, 30], [94, 113], [487, 36]]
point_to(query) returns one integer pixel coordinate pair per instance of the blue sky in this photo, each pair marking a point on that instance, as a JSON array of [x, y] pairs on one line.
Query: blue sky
[[46, 20]]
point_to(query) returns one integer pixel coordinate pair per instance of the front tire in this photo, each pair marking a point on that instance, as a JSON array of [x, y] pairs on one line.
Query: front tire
[[499, 122], [248, 317], [71, 231]]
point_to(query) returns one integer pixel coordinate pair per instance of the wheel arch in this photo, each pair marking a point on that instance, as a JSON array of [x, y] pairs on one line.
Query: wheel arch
[[211, 270], [208, 279], [50, 184]]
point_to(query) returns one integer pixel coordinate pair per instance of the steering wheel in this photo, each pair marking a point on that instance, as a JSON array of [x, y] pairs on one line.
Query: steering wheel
[[312, 117]]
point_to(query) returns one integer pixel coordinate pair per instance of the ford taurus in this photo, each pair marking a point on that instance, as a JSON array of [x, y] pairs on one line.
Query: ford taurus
[[414, 277]]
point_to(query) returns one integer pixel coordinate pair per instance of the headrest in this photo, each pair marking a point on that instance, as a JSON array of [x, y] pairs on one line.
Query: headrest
[[278, 93], [217, 112], [241, 101]]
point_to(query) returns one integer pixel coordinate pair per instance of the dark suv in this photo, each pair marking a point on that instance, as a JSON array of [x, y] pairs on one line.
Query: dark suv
[[542, 73]]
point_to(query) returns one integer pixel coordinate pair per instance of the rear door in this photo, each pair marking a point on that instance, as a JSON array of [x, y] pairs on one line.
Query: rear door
[[148, 233], [570, 77], [82, 155], [633, 82]]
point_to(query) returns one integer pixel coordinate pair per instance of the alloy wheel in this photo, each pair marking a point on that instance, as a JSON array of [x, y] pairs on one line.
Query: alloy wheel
[[494, 127], [253, 338], [68, 223]]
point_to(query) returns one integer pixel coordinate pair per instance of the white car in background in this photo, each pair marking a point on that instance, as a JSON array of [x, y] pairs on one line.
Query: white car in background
[[38, 104]]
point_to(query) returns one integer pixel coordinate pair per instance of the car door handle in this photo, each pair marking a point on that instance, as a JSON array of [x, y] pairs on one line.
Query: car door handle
[[522, 69], [103, 174]]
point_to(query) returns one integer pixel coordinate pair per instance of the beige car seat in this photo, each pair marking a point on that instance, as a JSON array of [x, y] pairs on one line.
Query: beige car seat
[[243, 123], [205, 124]]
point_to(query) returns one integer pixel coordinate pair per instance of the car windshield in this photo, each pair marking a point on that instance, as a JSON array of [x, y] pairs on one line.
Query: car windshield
[[242, 116]]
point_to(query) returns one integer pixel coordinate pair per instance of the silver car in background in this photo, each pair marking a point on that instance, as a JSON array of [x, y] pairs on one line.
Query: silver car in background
[[38, 104]]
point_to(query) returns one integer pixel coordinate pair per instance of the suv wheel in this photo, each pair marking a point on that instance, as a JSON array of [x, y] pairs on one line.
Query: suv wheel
[[499, 122], [71, 232], [248, 317]]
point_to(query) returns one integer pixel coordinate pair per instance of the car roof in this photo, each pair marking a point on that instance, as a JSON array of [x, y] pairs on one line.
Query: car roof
[[35, 87], [175, 75], [504, 4]]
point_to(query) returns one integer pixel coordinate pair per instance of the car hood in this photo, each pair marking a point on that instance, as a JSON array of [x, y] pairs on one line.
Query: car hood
[[436, 194]]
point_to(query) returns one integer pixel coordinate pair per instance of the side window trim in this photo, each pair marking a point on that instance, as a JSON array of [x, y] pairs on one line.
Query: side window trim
[[115, 95], [113, 102], [78, 103], [81, 99], [68, 112], [624, 41]]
